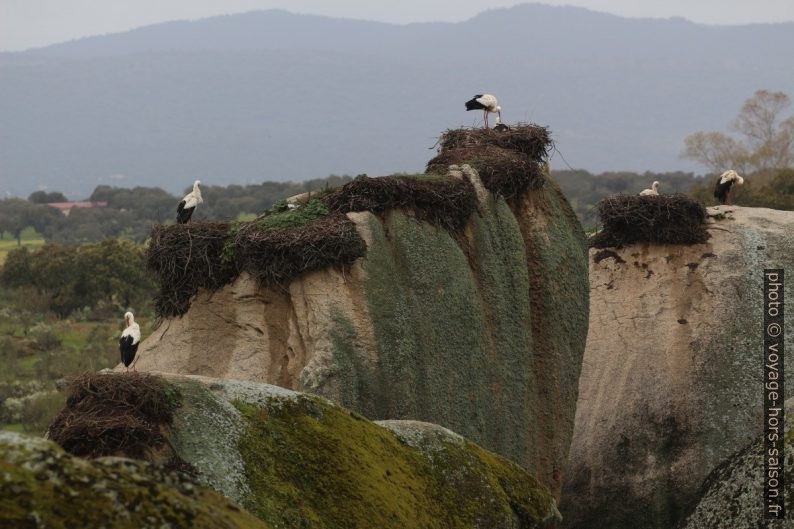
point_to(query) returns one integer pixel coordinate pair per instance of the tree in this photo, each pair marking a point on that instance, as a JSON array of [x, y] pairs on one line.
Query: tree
[[109, 274], [765, 145], [17, 214], [42, 197]]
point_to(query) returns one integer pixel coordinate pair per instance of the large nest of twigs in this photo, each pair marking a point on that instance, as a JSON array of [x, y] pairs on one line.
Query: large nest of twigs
[[661, 219], [282, 244], [509, 162], [445, 202], [276, 256], [115, 414], [187, 257], [525, 138]]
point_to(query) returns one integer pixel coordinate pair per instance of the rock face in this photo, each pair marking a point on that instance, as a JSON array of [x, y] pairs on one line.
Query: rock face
[[481, 332], [42, 486], [671, 383], [297, 460], [731, 497]]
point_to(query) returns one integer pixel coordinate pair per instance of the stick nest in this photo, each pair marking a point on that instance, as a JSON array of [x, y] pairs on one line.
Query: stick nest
[[115, 415], [186, 257], [509, 162], [276, 256], [660, 219], [445, 202], [282, 244]]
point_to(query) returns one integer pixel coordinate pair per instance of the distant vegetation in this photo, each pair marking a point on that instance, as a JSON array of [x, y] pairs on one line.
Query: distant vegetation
[[61, 302], [104, 278], [131, 213]]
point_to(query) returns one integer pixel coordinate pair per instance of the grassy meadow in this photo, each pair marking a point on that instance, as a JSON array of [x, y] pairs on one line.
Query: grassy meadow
[[30, 238]]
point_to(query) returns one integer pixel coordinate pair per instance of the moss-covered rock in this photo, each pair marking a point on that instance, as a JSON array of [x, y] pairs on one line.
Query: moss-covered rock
[[299, 461], [732, 495], [480, 329], [44, 487]]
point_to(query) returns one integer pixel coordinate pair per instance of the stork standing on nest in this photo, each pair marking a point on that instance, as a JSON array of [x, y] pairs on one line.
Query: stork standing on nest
[[654, 190], [487, 103], [130, 338], [188, 205], [722, 191]]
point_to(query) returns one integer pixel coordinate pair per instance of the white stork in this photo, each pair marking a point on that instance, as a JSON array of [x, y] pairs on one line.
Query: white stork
[[130, 338], [185, 208], [500, 127], [722, 191], [654, 190], [487, 103]]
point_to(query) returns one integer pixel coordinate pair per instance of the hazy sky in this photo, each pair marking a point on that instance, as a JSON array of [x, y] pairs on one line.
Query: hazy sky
[[33, 23]]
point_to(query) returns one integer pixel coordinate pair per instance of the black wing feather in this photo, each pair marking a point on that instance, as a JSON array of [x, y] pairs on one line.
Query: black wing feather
[[473, 104], [128, 350], [720, 190], [183, 214]]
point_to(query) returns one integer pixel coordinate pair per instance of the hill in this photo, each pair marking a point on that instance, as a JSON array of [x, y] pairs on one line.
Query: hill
[[275, 96]]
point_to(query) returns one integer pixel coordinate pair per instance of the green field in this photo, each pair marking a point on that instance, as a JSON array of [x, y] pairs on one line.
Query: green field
[[30, 239]]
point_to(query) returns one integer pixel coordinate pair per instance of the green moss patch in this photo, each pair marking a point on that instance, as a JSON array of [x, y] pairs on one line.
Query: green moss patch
[[499, 261], [422, 298], [311, 465], [452, 329], [42, 486], [282, 217]]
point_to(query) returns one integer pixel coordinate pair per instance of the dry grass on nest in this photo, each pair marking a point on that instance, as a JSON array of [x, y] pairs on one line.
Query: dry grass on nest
[[505, 172], [276, 256], [509, 162], [115, 414], [187, 257], [525, 138], [445, 202], [662, 219]]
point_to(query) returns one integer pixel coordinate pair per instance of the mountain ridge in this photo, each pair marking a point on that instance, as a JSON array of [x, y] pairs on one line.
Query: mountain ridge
[[310, 96]]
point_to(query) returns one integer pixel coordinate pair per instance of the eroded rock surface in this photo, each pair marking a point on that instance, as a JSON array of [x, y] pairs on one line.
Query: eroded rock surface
[[43, 487], [672, 375], [732, 495]]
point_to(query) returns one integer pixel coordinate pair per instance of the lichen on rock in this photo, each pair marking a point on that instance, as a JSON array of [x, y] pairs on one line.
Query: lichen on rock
[[44, 487], [670, 387], [296, 460], [732, 495]]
